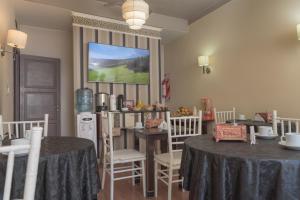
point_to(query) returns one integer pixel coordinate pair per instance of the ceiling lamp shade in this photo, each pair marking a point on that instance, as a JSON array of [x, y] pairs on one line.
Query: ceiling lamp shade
[[135, 13], [16, 39]]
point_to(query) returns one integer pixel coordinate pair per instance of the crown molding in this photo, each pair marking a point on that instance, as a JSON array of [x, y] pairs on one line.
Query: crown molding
[[96, 22]]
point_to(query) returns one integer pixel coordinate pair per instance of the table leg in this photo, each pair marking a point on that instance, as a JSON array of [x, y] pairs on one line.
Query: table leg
[[136, 147], [150, 148]]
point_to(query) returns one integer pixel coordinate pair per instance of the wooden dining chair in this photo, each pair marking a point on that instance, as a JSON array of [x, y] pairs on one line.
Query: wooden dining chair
[[32, 164], [15, 128], [222, 116], [287, 125], [179, 128], [118, 163]]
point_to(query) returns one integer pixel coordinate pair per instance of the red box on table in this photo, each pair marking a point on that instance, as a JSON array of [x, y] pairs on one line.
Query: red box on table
[[230, 132]]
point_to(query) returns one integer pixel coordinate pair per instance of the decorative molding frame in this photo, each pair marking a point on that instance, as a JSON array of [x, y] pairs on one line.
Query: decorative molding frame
[[95, 22]]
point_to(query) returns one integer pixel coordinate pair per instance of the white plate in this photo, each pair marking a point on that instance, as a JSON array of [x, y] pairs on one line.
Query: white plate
[[266, 137], [283, 144]]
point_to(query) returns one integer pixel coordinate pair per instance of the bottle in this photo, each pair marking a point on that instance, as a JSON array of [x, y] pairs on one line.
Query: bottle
[[113, 106], [120, 100], [195, 111]]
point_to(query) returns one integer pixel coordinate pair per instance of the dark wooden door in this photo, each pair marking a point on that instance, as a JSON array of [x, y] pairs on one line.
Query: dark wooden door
[[40, 90]]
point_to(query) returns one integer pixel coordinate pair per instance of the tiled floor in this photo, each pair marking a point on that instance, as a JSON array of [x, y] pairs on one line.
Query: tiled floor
[[124, 190]]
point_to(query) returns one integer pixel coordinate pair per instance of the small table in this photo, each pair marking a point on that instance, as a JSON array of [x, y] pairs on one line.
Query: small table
[[68, 169], [236, 170], [150, 136]]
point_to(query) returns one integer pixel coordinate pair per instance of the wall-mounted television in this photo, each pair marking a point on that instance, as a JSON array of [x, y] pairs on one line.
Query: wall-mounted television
[[116, 64]]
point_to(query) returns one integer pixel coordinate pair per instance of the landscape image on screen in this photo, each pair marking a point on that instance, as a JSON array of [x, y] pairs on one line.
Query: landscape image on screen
[[115, 64]]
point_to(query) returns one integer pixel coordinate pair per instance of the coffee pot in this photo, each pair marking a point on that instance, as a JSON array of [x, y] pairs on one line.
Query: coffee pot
[[102, 101]]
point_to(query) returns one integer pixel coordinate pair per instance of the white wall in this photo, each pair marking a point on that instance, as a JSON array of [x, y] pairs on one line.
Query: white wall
[[56, 44], [255, 54], [7, 19]]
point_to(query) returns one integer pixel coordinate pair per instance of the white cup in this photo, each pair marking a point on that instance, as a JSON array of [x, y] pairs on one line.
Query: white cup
[[265, 130], [242, 117], [163, 125], [138, 125], [20, 141], [291, 139]]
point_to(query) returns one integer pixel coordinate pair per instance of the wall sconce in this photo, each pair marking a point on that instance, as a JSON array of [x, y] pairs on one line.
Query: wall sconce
[[16, 39], [203, 61], [298, 31]]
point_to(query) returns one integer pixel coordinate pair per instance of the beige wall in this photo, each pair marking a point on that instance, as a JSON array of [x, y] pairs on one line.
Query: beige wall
[[255, 54], [7, 18], [56, 44]]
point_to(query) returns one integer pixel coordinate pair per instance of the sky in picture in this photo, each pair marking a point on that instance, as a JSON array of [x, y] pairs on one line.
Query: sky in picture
[[101, 51]]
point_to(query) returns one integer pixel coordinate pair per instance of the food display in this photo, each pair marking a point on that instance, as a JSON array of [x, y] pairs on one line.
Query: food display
[[230, 132], [207, 108], [182, 111], [140, 106], [153, 123]]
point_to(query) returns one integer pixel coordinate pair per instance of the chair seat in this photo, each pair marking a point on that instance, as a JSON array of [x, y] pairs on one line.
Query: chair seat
[[165, 159], [127, 155]]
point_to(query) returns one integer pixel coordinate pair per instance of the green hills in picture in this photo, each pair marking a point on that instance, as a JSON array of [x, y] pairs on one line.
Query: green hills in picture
[[114, 64]]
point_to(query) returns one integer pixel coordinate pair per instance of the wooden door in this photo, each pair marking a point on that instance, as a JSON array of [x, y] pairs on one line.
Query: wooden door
[[40, 90]]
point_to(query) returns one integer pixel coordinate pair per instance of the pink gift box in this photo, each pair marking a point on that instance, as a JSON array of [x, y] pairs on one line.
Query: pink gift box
[[230, 132]]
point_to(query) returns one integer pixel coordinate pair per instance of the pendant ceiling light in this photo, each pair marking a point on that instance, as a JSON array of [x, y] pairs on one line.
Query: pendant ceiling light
[[135, 12]]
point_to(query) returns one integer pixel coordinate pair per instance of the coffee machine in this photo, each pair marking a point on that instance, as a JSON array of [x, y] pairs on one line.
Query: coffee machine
[[102, 101]]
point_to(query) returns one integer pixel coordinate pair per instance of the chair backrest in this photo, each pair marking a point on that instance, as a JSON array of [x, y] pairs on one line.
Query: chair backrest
[[222, 116], [32, 164], [289, 122], [107, 135], [18, 127], [180, 128]]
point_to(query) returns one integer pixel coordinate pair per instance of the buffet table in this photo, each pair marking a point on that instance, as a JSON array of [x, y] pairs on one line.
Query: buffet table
[[236, 170], [67, 170]]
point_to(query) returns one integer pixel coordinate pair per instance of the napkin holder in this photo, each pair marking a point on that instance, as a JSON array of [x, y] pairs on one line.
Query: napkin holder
[[230, 132]]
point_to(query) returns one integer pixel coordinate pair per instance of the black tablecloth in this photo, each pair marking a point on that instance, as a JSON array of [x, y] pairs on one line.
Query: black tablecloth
[[67, 171], [236, 170]]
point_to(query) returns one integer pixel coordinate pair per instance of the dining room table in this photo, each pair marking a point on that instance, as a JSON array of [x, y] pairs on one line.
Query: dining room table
[[67, 170], [150, 136], [237, 170]]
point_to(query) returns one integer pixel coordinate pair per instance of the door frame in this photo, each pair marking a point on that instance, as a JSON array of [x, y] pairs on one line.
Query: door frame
[[17, 88]]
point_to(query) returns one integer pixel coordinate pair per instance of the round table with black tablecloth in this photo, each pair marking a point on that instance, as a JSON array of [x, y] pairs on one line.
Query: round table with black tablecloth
[[68, 170], [239, 171]]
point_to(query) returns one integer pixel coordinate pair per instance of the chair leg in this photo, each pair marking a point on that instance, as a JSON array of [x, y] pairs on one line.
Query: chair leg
[[170, 178], [155, 178], [133, 173], [103, 174], [144, 178], [111, 182]]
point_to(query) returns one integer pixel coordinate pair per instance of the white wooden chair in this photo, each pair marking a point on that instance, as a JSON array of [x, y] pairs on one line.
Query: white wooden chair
[[125, 157], [17, 127], [283, 122], [222, 116], [179, 128], [32, 164]]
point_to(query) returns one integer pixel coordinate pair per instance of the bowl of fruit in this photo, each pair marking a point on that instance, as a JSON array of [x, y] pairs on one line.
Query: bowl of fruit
[[183, 111]]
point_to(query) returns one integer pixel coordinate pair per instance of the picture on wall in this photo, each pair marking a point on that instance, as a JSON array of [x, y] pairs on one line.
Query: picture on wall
[[116, 64]]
